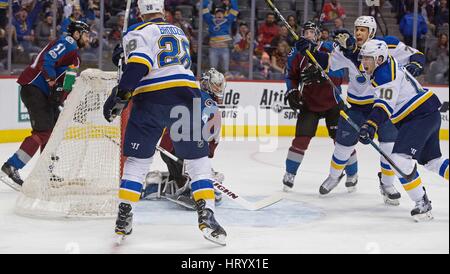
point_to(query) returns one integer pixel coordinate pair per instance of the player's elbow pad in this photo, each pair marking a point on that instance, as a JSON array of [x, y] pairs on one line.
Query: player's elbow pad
[[378, 116], [132, 75]]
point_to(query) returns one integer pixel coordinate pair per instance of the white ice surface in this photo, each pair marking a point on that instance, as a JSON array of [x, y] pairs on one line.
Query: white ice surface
[[302, 223]]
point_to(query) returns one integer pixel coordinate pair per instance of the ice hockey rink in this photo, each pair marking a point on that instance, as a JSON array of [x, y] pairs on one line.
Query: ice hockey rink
[[302, 222]]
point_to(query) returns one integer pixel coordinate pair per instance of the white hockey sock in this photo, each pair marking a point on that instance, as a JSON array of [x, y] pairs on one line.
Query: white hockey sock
[[134, 172], [414, 188], [200, 171], [387, 173], [339, 160]]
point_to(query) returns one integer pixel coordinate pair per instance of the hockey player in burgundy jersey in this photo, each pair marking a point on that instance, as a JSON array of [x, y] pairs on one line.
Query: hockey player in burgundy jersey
[[44, 85], [312, 96]]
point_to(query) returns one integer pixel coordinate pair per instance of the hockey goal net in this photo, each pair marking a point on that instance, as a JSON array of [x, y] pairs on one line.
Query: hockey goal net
[[78, 173]]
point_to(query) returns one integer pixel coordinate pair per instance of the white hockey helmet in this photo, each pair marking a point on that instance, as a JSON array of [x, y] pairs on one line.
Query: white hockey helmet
[[375, 48], [213, 82], [367, 22], [151, 6]]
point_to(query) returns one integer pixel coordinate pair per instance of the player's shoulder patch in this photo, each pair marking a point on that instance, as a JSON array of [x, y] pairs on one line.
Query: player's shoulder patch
[[391, 41], [70, 40], [209, 102], [386, 73]]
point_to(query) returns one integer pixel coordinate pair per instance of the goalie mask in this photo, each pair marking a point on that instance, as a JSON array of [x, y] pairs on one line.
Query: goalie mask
[[214, 83]]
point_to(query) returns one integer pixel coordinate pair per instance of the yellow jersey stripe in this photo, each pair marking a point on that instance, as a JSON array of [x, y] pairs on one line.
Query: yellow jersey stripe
[[414, 106], [158, 87], [384, 108], [140, 60], [360, 102]]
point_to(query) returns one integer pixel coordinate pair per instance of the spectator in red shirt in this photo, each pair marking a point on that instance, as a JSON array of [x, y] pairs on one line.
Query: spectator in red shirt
[[269, 30], [331, 11]]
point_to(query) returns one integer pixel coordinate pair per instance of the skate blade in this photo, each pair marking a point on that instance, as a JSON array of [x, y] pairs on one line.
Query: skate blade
[[352, 189], [10, 183], [324, 192], [286, 188], [391, 202], [425, 217], [119, 238], [219, 240]]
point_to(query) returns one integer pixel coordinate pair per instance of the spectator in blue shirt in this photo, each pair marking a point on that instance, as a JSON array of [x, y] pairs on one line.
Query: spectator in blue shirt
[[24, 23], [407, 26], [219, 27]]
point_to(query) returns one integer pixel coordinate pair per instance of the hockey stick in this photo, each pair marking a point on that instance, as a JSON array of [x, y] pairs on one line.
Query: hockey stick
[[231, 194], [409, 177], [338, 94], [124, 29]]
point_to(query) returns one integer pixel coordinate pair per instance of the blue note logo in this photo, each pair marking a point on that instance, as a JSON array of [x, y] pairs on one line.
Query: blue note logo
[[361, 79]]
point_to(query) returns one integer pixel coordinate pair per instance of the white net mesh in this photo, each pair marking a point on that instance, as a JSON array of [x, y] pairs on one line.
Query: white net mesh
[[78, 173]]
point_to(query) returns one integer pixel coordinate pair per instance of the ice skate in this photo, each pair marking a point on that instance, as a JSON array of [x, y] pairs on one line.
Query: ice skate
[[390, 195], [329, 184], [351, 183], [422, 211], [11, 177], [288, 182], [211, 229], [124, 222]]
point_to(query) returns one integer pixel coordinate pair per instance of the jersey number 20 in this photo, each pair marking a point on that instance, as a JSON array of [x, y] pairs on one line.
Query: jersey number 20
[[171, 53]]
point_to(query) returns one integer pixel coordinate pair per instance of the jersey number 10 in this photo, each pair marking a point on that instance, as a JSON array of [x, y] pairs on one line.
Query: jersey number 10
[[171, 53]]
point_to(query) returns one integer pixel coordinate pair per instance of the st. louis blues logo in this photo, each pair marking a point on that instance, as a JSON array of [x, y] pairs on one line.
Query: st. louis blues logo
[[361, 79]]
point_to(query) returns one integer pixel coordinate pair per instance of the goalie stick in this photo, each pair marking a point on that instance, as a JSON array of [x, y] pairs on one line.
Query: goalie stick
[[252, 206]]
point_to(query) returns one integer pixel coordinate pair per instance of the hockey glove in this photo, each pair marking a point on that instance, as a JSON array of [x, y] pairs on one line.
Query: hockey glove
[[304, 44], [367, 132], [414, 68], [311, 75], [114, 105], [117, 55], [345, 40], [57, 96], [295, 99]]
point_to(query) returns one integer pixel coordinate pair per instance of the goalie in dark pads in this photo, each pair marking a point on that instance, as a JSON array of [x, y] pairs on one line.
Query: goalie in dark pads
[[312, 96], [173, 185]]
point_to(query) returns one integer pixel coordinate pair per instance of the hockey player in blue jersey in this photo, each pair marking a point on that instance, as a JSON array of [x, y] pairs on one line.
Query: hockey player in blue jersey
[[414, 110], [165, 94], [361, 99]]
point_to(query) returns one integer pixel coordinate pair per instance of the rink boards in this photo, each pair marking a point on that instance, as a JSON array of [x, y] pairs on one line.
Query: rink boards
[[249, 109]]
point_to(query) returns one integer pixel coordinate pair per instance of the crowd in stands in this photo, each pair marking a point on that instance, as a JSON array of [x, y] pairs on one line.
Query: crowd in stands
[[226, 38]]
